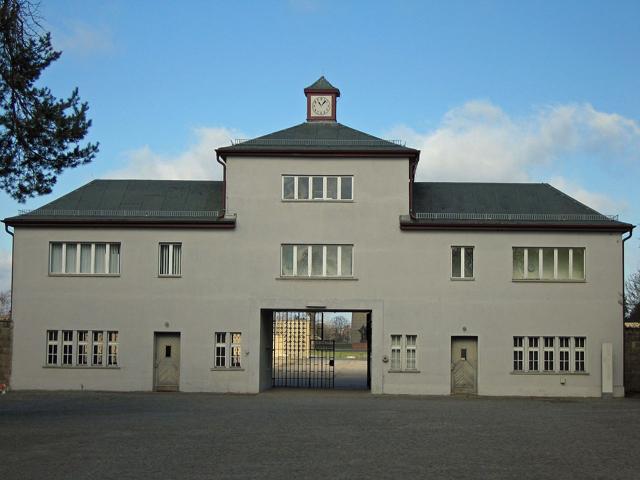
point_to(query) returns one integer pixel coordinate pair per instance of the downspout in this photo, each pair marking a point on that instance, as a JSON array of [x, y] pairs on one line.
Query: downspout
[[223, 162], [623, 304]]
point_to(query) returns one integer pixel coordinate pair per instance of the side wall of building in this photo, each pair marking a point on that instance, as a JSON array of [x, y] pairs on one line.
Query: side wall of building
[[230, 277]]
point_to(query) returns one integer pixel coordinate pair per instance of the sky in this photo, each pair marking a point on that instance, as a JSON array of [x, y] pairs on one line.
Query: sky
[[537, 91]]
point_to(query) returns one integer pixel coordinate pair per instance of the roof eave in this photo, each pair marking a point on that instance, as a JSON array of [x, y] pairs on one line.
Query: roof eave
[[119, 222], [225, 152], [566, 227]]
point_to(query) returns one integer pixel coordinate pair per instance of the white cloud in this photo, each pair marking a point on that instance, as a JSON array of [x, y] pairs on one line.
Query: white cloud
[[83, 39], [480, 142], [5, 270], [197, 162]]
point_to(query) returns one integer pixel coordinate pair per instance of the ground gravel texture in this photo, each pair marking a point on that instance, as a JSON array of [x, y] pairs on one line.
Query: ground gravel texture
[[291, 434]]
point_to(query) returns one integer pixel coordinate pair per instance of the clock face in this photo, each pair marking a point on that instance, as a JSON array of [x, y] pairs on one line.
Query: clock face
[[321, 106]]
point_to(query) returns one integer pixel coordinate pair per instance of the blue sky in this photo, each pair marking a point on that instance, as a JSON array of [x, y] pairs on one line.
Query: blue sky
[[489, 91]]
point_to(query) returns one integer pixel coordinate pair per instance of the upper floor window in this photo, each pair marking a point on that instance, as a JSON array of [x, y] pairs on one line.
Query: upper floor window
[[548, 263], [84, 258], [317, 261], [170, 261], [462, 262], [300, 187]]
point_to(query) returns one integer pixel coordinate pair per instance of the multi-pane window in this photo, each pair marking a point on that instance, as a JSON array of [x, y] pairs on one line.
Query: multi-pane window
[[82, 348], [396, 348], [170, 260], [518, 354], [461, 262], [403, 352], [52, 347], [548, 263], [67, 347], [75, 258], [548, 351], [562, 348], [112, 348], [411, 351], [564, 353], [317, 260], [228, 350], [534, 353], [579, 348], [310, 187]]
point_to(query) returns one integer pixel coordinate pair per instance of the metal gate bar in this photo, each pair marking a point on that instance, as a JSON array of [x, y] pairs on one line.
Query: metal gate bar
[[301, 357]]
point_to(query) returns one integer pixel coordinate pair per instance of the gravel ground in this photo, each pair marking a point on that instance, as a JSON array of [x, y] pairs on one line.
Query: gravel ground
[[314, 434]]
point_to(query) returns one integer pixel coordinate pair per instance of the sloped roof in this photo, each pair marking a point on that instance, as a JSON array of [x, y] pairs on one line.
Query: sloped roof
[[134, 201], [531, 205], [321, 84], [319, 137]]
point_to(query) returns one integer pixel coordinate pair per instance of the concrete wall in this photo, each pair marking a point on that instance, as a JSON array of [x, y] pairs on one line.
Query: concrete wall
[[6, 341], [632, 358], [402, 277]]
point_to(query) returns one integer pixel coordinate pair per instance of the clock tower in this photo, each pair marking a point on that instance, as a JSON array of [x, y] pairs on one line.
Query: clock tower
[[321, 101]]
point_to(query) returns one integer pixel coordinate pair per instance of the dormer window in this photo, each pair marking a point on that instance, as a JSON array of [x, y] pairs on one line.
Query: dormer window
[[317, 188]]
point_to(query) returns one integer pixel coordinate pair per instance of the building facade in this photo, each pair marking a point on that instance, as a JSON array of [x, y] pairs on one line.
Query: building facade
[[494, 289]]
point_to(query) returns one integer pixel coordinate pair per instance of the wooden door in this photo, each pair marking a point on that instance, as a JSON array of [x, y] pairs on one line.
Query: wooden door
[[167, 362], [464, 365]]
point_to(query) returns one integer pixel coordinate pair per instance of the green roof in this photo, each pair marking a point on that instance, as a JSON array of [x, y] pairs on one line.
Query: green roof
[[138, 201], [321, 84], [508, 204], [319, 137]]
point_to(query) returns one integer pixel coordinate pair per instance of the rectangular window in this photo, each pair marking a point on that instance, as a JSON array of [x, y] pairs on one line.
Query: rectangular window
[[564, 353], [518, 354], [228, 349], [548, 351], [98, 349], [71, 258], [569, 351], [534, 353], [579, 349], [83, 347], [411, 351], [67, 347], [112, 349], [170, 260], [297, 187], [316, 260], [396, 346], [548, 263], [221, 350], [462, 262], [52, 347]]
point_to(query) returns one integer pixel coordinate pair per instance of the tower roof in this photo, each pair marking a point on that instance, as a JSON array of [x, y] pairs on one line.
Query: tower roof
[[321, 85]]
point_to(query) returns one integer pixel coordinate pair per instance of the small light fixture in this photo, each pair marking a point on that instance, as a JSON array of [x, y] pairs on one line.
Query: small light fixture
[[464, 329], [166, 324]]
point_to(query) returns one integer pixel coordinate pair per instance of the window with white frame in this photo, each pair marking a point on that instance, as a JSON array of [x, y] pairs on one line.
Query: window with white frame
[[316, 260], [549, 263], [403, 352], [318, 188], [562, 348], [462, 262], [228, 349], [82, 348], [84, 258], [170, 260]]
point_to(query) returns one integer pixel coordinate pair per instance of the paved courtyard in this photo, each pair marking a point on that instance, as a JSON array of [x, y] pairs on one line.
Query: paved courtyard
[[294, 434]]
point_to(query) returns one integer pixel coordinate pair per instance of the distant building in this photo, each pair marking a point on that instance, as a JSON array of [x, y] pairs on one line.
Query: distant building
[[488, 288]]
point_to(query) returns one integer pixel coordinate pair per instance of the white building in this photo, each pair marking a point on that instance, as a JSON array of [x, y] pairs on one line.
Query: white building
[[495, 289]]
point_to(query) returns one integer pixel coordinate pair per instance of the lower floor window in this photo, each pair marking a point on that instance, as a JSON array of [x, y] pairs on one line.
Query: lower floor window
[[228, 350], [403, 352], [82, 348], [549, 348]]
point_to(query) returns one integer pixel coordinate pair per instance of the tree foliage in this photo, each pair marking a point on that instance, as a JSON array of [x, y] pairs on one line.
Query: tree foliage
[[5, 303], [632, 297], [40, 134]]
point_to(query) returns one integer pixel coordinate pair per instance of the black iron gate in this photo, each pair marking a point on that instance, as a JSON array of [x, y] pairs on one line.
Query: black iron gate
[[301, 357]]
